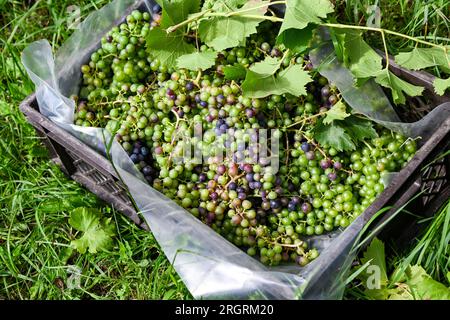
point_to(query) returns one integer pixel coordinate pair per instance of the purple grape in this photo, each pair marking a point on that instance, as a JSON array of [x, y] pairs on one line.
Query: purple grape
[[325, 91], [296, 200], [242, 196], [232, 186], [332, 176], [305, 146], [204, 104], [274, 204], [144, 151], [306, 207], [337, 165], [202, 177], [202, 211], [278, 180], [310, 155], [214, 196], [249, 177], [325, 164], [292, 206], [134, 158], [221, 169], [190, 86], [332, 99], [250, 113], [147, 170], [158, 150]]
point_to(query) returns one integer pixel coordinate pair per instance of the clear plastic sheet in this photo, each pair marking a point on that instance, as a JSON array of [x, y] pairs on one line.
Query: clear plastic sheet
[[210, 266], [370, 100]]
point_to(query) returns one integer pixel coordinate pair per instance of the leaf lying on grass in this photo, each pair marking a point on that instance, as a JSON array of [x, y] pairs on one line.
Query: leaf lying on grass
[[97, 232]]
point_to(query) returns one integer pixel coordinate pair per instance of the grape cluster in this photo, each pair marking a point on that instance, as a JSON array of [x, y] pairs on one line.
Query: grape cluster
[[269, 213]]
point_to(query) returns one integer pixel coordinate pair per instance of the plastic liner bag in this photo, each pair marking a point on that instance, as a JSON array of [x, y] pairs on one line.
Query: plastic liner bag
[[370, 100], [210, 266]]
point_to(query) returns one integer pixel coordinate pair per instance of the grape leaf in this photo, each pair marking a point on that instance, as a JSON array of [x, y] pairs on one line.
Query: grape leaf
[[299, 13], [358, 56], [197, 60], [291, 80], [359, 129], [226, 32], [334, 135], [97, 235], [223, 5], [266, 67], [337, 112], [424, 287], [237, 72], [167, 47], [421, 58], [441, 85], [375, 256], [296, 40], [176, 11], [398, 86]]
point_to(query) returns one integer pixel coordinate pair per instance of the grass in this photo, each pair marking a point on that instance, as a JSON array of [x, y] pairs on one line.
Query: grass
[[36, 261], [427, 20]]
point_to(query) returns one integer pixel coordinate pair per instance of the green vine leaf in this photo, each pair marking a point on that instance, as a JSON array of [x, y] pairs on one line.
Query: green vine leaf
[[167, 47], [197, 60], [398, 86], [222, 5], [291, 80], [441, 85], [334, 135], [231, 31], [375, 255], [358, 56], [296, 40], [344, 134], [422, 58], [300, 13], [236, 72], [97, 234], [266, 67], [359, 128], [176, 11], [337, 112]]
